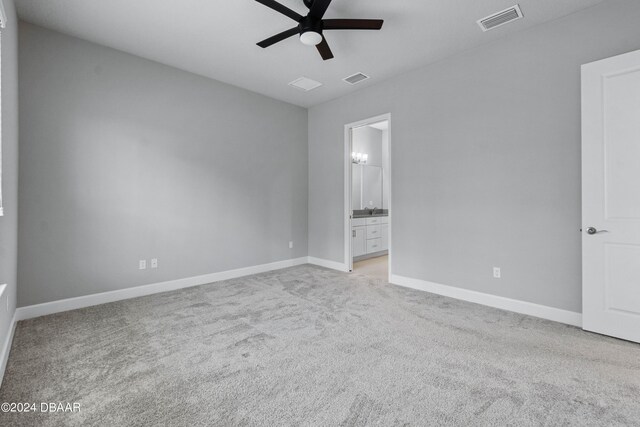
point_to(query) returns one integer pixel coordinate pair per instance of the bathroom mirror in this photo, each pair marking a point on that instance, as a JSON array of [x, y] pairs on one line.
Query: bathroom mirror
[[356, 187], [367, 187]]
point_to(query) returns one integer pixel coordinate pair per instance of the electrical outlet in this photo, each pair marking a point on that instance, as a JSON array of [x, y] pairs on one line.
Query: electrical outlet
[[142, 264], [497, 274], [290, 245], [154, 263]]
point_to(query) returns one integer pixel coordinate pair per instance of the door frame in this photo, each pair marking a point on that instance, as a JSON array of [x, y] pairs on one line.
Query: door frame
[[348, 128]]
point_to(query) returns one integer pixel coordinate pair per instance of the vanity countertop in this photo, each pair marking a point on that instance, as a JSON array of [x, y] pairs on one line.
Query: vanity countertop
[[356, 216]]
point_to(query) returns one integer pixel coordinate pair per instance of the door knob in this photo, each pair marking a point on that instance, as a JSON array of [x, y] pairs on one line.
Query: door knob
[[593, 230]]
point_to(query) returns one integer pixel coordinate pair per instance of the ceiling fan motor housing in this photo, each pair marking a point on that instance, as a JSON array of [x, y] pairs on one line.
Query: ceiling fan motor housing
[[311, 27], [310, 23]]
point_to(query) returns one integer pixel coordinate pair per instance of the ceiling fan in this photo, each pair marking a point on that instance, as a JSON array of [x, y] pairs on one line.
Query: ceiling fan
[[310, 27]]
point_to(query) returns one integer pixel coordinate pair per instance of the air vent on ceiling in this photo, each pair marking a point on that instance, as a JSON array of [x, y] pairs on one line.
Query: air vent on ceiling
[[500, 18], [356, 78], [305, 84]]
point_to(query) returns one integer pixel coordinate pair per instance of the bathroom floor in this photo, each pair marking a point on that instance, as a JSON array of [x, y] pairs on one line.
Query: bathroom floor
[[375, 267]]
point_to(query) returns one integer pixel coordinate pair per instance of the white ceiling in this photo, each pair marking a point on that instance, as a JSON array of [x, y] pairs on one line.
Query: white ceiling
[[217, 38]]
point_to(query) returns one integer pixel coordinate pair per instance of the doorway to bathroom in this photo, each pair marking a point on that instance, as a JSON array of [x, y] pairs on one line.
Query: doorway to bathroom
[[368, 197]]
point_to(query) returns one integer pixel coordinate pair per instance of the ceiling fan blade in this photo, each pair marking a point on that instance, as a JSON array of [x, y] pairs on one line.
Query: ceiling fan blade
[[282, 9], [324, 49], [352, 24], [319, 8], [279, 37]]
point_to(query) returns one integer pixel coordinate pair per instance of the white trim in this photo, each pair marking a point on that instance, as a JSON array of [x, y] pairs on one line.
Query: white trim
[[390, 196], [531, 309], [348, 249], [3, 15], [328, 264], [517, 306], [6, 347], [59, 306]]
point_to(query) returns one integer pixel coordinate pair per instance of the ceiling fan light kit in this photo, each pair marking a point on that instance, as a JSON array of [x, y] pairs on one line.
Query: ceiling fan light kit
[[310, 31], [310, 28], [311, 38]]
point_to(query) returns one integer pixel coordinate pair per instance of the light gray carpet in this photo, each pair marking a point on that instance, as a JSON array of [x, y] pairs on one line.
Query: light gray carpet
[[309, 346]]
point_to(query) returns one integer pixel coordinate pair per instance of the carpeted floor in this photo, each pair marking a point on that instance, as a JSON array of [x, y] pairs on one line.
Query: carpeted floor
[[310, 346]]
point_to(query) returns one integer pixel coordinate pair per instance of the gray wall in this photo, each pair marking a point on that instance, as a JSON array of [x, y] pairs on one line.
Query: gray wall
[[485, 159], [9, 222], [125, 159]]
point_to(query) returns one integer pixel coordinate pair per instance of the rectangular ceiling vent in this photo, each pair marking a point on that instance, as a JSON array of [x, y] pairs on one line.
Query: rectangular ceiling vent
[[356, 78], [305, 84], [503, 17]]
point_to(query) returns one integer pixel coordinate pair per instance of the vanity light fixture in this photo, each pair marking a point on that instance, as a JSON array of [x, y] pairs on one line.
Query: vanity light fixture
[[359, 158]]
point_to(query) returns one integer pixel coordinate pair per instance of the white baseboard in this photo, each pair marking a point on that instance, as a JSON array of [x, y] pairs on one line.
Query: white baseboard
[[6, 347], [531, 309], [29, 312], [517, 306], [328, 264]]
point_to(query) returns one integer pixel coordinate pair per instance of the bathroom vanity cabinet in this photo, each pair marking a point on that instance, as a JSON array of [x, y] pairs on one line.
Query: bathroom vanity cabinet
[[370, 235]]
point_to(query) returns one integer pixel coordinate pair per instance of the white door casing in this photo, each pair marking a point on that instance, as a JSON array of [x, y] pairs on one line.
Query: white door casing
[[611, 196], [348, 237]]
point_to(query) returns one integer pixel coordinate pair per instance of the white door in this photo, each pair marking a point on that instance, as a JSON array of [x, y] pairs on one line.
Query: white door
[[611, 196]]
